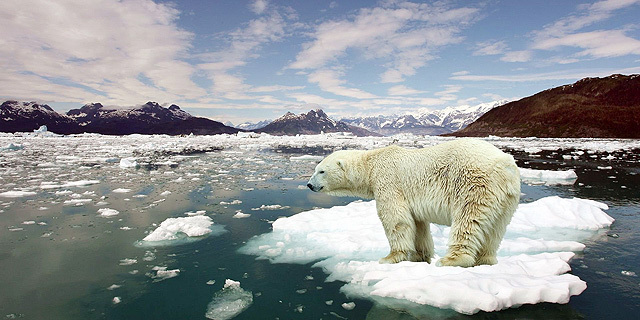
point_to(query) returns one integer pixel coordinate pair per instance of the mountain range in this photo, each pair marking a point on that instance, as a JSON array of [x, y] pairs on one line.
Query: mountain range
[[424, 122], [312, 122], [149, 118], [606, 107], [592, 107]]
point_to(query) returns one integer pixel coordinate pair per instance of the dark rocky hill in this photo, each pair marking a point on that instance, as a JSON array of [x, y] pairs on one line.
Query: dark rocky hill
[[149, 118], [27, 116], [312, 122], [606, 107]]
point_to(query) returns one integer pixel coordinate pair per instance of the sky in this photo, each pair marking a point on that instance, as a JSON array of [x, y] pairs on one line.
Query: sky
[[233, 60]]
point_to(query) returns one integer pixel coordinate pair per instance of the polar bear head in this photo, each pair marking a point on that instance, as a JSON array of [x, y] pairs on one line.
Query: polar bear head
[[339, 174]]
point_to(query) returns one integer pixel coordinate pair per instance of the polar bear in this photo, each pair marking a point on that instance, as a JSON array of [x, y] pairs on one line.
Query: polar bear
[[467, 184]]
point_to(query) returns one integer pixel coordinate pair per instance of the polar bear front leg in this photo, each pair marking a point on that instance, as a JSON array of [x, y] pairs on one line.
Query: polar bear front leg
[[400, 230]]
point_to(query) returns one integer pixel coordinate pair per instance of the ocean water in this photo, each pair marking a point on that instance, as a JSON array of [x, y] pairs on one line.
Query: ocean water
[[62, 259]]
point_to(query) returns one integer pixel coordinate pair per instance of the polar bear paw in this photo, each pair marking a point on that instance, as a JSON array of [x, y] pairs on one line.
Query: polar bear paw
[[394, 257], [462, 260]]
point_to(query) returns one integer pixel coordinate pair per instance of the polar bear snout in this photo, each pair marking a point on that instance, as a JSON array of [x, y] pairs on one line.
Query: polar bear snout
[[314, 188]]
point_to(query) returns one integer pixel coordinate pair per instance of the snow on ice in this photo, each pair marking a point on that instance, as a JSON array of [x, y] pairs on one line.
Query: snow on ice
[[17, 194], [548, 177], [179, 230], [229, 302], [347, 241], [106, 212]]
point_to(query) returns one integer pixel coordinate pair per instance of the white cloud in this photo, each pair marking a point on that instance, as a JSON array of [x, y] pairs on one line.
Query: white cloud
[[93, 47], [571, 75], [330, 81], [259, 6], [401, 90], [243, 45], [404, 35], [487, 48], [595, 44], [517, 56]]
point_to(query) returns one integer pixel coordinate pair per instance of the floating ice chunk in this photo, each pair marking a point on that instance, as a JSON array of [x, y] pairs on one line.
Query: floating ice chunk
[[347, 242], [77, 202], [605, 168], [106, 212], [560, 213], [271, 207], [127, 163], [121, 190], [28, 222], [182, 228], [197, 213], [165, 193], [224, 203], [80, 183], [306, 157], [229, 302], [628, 273], [548, 177], [17, 194], [241, 215], [349, 305], [161, 273], [116, 300], [113, 287], [128, 262]]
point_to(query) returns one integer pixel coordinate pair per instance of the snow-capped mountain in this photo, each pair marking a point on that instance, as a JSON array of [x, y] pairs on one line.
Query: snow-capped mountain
[[27, 116], [425, 121], [252, 125], [149, 118], [312, 122]]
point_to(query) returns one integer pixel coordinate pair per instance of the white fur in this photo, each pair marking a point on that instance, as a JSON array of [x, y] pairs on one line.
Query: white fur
[[466, 183]]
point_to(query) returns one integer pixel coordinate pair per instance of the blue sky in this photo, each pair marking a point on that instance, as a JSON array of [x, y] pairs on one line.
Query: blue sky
[[254, 60]]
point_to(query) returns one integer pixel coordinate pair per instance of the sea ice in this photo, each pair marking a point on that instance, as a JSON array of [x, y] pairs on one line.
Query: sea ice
[[161, 273], [106, 212], [548, 177], [80, 183], [126, 163], [241, 215], [307, 157], [17, 194], [182, 228], [229, 302], [347, 241], [121, 190]]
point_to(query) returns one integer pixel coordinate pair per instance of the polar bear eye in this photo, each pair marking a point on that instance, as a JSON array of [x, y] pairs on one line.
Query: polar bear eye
[[321, 171]]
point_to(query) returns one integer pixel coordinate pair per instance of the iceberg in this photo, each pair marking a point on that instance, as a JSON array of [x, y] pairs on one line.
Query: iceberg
[[229, 302], [183, 229], [548, 177], [347, 241]]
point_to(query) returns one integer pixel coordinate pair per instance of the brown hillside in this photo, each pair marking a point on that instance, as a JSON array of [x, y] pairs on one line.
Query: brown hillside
[[592, 107]]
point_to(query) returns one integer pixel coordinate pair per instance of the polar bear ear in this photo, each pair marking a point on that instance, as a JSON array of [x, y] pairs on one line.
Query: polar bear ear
[[341, 164]]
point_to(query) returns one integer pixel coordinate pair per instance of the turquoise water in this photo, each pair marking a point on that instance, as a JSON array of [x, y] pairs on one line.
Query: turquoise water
[[70, 262]]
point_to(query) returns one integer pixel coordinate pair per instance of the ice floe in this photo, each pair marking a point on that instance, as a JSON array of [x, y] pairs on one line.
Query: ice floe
[[17, 194], [183, 229], [229, 302], [106, 212], [548, 177], [347, 241]]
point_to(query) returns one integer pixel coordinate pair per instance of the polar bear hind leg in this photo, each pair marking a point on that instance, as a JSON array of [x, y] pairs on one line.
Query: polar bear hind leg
[[423, 242], [467, 235], [489, 249]]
